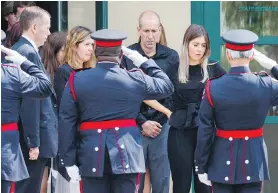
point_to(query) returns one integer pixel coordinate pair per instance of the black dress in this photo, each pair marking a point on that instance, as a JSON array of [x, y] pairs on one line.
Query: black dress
[[182, 137]]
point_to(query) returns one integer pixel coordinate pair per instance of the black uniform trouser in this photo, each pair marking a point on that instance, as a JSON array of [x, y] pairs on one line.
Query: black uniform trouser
[[111, 183], [5, 186], [35, 169], [181, 149], [255, 187]]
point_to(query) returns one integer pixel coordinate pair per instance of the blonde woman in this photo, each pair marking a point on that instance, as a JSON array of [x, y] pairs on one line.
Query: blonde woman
[[78, 53], [189, 84]]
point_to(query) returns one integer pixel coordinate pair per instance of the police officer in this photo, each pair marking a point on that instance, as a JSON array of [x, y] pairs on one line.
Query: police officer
[[16, 84], [105, 102], [231, 154]]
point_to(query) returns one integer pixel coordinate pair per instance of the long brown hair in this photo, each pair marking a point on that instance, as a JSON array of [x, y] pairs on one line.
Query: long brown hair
[[77, 35], [163, 40], [14, 35], [54, 43], [192, 32]]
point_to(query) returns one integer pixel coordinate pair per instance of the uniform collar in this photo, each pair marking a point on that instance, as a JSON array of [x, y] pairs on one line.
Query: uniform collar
[[31, 42], [107, 64], [239, 70]]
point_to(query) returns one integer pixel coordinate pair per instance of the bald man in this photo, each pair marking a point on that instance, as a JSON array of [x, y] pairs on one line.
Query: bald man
[[154, 125]]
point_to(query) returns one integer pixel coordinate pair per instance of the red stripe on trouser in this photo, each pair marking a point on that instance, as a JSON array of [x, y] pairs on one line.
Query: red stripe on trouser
[[119, 149], [137, 183], [243, 161], [12, 190], [99, 153], [232, 162], [9, 127], [81, 186]]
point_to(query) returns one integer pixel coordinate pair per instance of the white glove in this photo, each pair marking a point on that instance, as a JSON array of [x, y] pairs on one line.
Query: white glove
[[263, 60], [73, 173], [13, 56], [133, 55], [204, 179]]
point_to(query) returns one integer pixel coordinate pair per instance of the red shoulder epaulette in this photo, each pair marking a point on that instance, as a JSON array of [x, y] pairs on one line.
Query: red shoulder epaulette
[[263, 73], [207, 89], [71, 84], [216, 76], [10, 65], [134, 70], [80, 69]]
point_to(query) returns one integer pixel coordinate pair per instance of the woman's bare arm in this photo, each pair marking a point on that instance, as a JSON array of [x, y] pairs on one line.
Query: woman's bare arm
[[159, 107]]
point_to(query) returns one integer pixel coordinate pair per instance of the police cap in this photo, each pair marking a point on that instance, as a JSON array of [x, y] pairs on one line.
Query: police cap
[[3, 35], [108, 37], [240, 39]]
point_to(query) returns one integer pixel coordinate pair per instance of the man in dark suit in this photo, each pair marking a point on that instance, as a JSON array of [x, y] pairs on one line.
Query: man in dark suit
[[38, 118]]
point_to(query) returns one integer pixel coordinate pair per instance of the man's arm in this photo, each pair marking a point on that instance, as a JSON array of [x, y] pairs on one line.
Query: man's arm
[[206, 133], [68, 121], [35, 84], [30, 111], [158, 85]]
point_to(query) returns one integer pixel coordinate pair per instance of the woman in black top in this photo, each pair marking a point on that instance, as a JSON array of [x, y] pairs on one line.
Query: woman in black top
[[52, 57], [78, 54], [190, 80]]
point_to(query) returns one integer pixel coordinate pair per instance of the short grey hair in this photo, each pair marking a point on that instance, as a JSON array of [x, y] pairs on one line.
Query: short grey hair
[[30, 15], [240, 54]]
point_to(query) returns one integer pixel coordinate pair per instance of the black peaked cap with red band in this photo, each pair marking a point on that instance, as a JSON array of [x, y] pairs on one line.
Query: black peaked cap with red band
[[240, 39], [108, 38]]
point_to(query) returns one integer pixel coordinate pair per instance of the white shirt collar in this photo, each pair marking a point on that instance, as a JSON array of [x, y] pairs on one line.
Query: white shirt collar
[[32, 42]]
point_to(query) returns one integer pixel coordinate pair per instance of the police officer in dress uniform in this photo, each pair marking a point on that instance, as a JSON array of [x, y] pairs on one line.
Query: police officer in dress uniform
[[105, 102], [16, 84], [231, 154]]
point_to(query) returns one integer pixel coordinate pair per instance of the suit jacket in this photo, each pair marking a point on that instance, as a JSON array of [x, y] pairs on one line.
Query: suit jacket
[[38, 118]]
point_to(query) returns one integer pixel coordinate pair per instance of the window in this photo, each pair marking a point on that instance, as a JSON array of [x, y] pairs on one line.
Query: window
[[257, 17]]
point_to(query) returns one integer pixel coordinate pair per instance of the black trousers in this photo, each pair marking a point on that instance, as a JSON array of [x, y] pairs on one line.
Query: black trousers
[[255, 187], [111, 183], [5, 186], [181, 149]]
